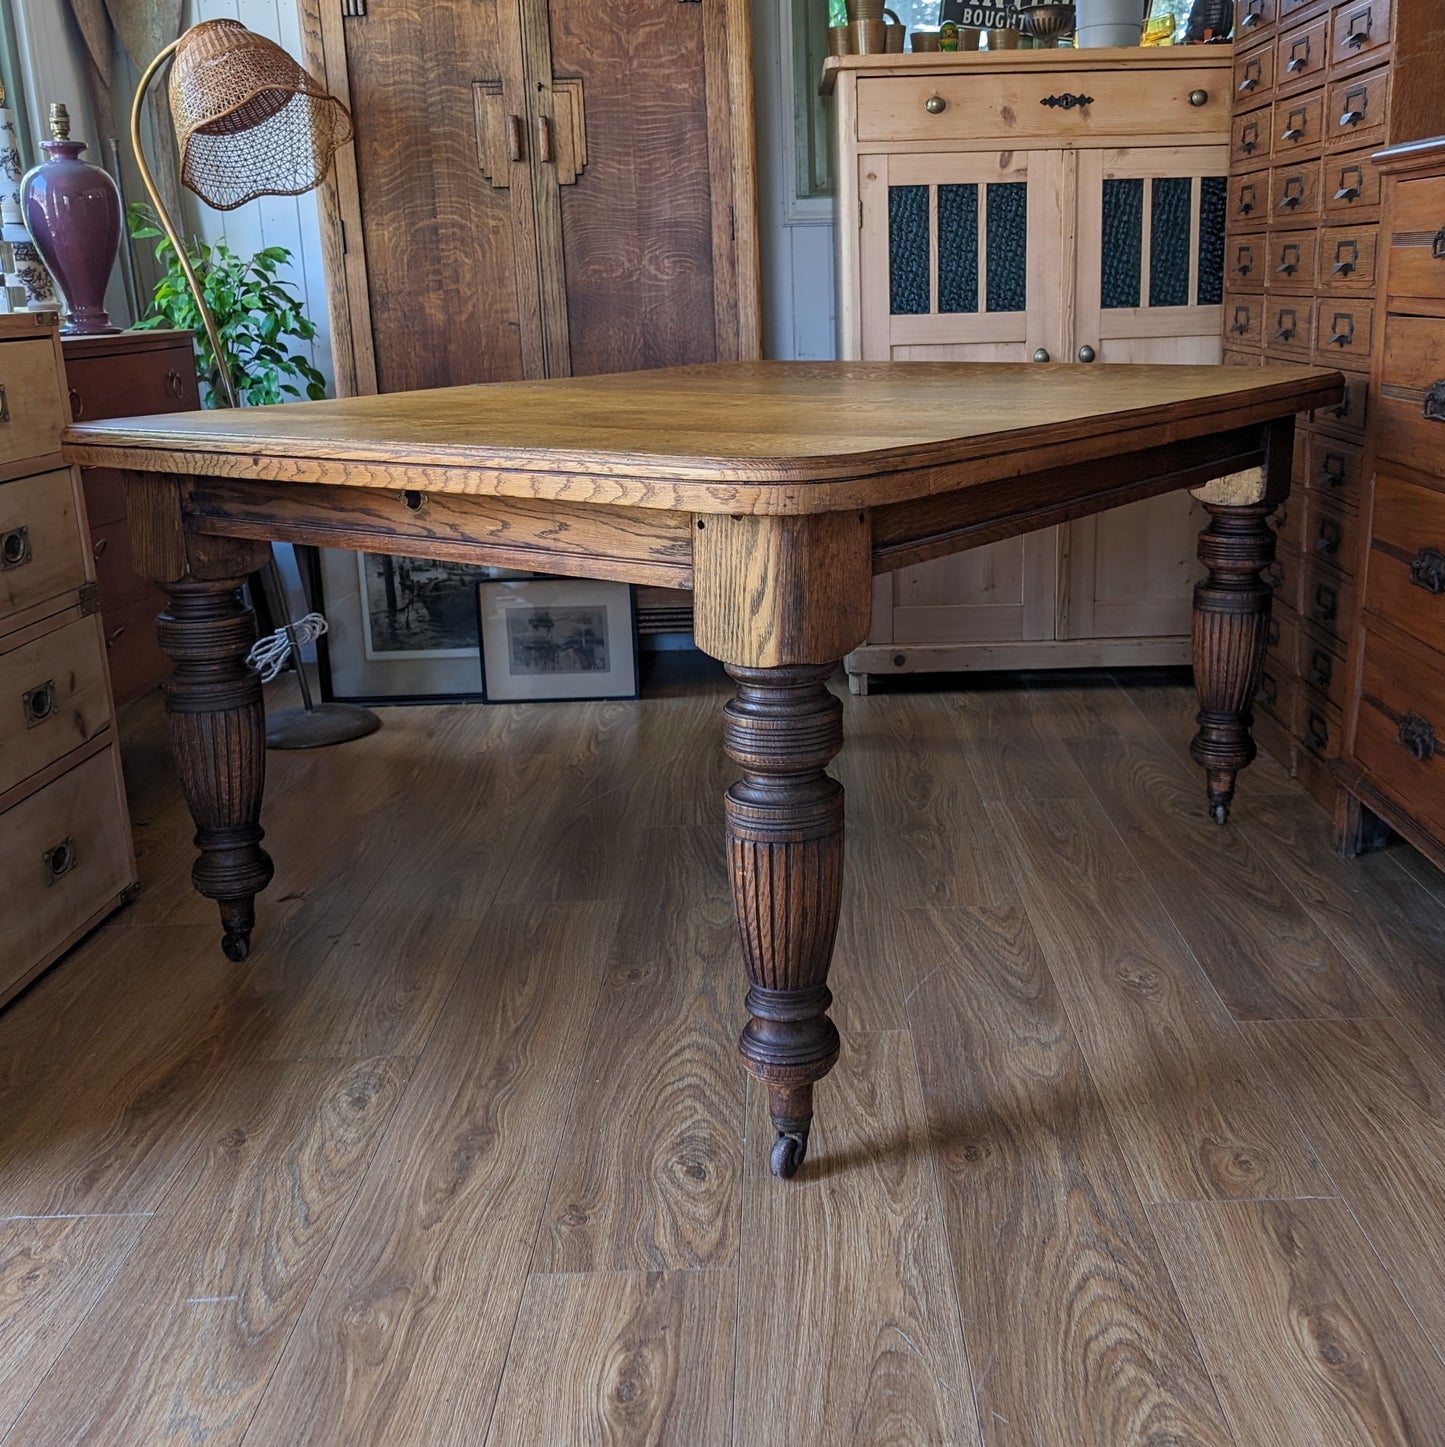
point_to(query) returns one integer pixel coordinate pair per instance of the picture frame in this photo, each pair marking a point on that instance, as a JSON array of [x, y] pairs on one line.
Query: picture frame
[[557, 639], [399, 630]]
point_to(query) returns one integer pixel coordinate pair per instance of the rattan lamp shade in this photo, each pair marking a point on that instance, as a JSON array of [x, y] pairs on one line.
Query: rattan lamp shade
[[249, 120]]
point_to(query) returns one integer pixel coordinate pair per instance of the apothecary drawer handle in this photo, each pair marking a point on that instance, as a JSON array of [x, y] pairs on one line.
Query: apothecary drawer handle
[[14, 549], [1322, 669], [1427, 570], [60, 859], [39, 703], [1327, 539], [1417, 736], [1317, 731], [1327, 603], [1434, 408], [1272, 574], [1332, 470]]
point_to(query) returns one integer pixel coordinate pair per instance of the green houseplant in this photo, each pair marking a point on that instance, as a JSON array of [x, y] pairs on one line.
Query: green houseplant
[[258, 316]]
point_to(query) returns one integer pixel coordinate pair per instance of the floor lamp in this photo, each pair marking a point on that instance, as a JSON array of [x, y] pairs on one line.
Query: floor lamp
[[249, 122]]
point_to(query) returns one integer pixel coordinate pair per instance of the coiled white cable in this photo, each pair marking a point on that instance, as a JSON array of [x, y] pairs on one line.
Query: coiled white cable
[[269, 655]]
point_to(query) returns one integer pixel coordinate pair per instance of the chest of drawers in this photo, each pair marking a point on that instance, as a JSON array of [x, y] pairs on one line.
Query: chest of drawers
[[65, 847]]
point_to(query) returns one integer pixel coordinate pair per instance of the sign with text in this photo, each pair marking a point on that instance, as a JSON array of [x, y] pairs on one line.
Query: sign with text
[[979, 17]]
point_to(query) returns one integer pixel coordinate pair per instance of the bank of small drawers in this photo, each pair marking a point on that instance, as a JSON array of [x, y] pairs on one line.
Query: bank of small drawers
[[65, 851]]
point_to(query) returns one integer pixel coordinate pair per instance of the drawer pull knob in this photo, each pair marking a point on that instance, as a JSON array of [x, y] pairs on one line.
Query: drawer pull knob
[[1434, 408], [1087, 353], [1427, 570], [39, 703], [1067, 102], [77, 405], [1327, 540], [935, 105], [1332, 470], [1322, 669], [14, 549], [1317, 731], [1437, 246], [1416, 735], [1198, 98], [1041, 355], [60, 859]]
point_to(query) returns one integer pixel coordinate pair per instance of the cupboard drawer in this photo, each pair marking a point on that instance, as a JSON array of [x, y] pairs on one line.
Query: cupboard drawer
[[1277, 692], [1332, 534], [115, 567], [1348, 416], [41, 555], [1411, 401], [1243, 319], [163, 380], [1253, 75], [1358, 27], [1355, 109], [104, 495], [893, 108], [1282, 642], [1335, 469], [1321, 724], [1322, 667], [1350, 186], [53, 698], [1326, 599], [133, 650], [1407, 558], [31, 416], [1241, 359], [1298, 124], [1287, 524], [1248, 199], [1249, 137], [1417, 238], [1244, 263], [66, 852], [1287, 323], [1302, 54], [1292, 260], [1294, 192], [1283, 576], [1343, 327], [1347, 258], [1252, 18], [1400, 733]]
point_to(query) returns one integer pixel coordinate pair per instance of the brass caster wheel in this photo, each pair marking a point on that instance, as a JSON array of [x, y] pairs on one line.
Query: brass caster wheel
[[236, 945], [787, 1154]]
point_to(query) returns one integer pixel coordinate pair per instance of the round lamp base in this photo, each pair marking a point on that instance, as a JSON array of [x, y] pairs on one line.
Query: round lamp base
[[314, 728]]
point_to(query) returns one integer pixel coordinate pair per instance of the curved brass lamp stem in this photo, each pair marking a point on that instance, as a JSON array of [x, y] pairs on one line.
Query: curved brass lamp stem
[[223, 365]]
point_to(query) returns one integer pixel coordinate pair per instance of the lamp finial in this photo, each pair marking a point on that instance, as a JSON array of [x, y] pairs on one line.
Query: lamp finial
[[59, 121]]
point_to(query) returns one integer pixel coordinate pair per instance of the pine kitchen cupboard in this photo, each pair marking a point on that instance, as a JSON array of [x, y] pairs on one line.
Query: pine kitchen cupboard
[[1041, 207], [66, 859], [538, 188]]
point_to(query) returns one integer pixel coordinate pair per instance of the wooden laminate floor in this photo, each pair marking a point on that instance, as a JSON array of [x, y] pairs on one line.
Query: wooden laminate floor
[[1138, 1135]]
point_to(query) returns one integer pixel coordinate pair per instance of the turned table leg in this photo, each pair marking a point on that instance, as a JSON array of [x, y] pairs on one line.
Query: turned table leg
[[1231, 629], [218, 738], [785, 856]]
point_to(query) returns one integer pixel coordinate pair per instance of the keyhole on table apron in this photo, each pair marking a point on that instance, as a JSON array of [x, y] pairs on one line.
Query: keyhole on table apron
[[413, 501]]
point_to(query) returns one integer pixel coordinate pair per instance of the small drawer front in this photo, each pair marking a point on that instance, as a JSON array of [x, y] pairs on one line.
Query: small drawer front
[[1350, 186], [115, 567], [41, 553], [1335, 470], [1411, 402], [1288, 9], [1326, 599], [31, 414], [1322, 667], [1294, 192], [1348, 416], [1347, 258], [1417, 239], [133, 648], [53, 698], [1355, 109], [1292, 260], [104, 495], [895, 108], [1253, 75], [66, 852], [1301, 54], [1287, 322], [1400, 736], [1407, 558], [1277, 692], [1242, 359], [1249, 137], [1252, 18], [1332, 534], [1283, 576], [1243, 319], [1249, 200], [1343, 327], [1358, 27], [1244, 263], [1320, 723], [1282, 644], [137, 386], [1285, 520], [1298, 124]]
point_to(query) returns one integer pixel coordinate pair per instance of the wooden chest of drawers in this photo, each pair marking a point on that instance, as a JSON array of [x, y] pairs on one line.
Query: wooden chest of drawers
[[65, 849], [1319, 86], [130, 374], [1394, 759]]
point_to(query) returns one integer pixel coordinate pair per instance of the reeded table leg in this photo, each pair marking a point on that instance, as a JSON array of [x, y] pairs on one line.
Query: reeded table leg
[[785, 855], [218, 738], [1231, 629]]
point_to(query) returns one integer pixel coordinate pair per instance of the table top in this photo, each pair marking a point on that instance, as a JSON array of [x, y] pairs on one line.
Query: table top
[[739, 437]]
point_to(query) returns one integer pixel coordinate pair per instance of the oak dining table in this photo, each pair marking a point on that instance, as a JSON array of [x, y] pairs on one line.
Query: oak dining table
[[775, 491]]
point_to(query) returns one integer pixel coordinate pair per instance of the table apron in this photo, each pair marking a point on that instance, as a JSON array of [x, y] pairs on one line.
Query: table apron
[[628, 545]]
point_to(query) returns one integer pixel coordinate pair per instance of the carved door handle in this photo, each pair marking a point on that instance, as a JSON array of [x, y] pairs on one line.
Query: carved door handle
[[1427, 570], [544, 140], [1417, 737], [514, 138]]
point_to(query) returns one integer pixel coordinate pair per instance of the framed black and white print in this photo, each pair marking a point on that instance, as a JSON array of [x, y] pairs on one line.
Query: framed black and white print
[[557, 638]]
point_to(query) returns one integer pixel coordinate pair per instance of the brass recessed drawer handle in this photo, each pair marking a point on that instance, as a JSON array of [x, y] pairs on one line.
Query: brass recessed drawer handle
[[1251, 20], [14, 548], [1249, 140], [60, 859], [1299, 59], [1417, 737], [39, 703], [1294, 193], [935, 105], [1427, 570], [1252, 77], [1434, 407]]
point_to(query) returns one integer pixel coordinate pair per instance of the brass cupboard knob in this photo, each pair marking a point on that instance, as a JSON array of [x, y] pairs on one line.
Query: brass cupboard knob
[[1198, 98], [935, 105], [1087, 353], [1042, 355]]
